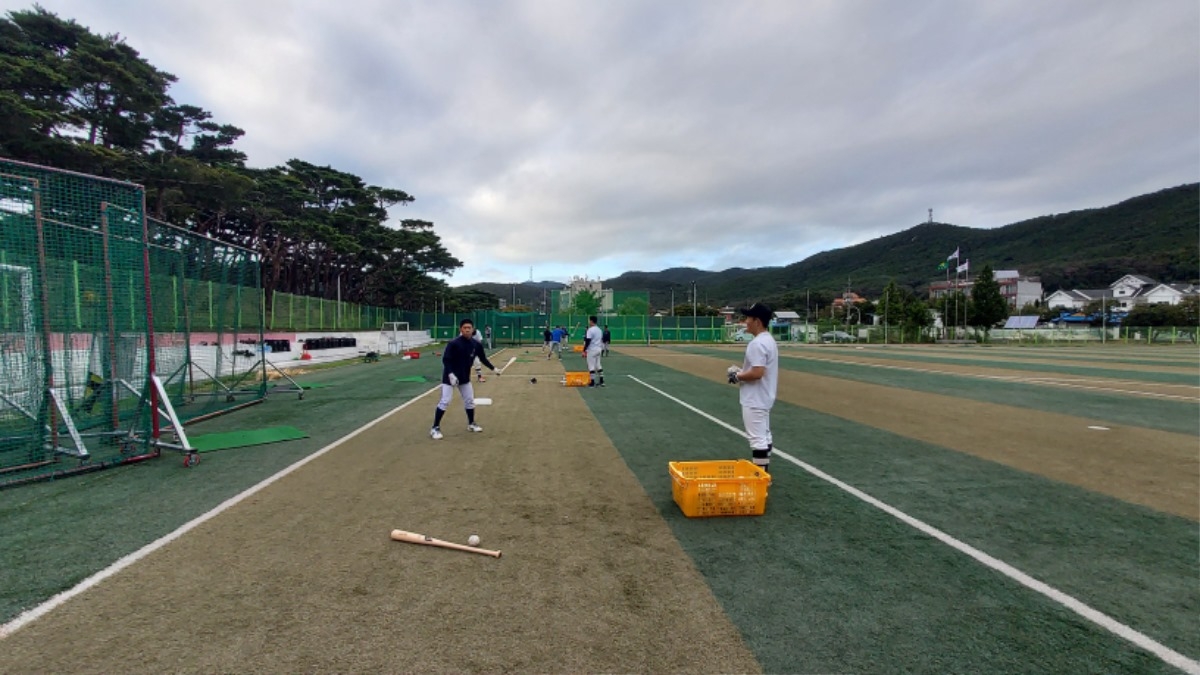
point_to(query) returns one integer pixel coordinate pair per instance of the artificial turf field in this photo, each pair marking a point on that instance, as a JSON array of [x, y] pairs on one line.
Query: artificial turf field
[[1078, 467]]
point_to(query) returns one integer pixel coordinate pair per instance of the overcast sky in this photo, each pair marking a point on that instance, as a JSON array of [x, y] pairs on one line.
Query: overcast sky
[[593, 138]]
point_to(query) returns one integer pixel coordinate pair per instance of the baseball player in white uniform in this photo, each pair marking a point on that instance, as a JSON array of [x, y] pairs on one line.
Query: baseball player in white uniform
[[593, 347], [757, 380]]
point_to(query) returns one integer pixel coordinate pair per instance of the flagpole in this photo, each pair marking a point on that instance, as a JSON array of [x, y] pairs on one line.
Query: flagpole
[[947, 326]]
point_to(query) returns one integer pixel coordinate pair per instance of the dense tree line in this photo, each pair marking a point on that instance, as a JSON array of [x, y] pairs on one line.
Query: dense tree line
[[75, 100]]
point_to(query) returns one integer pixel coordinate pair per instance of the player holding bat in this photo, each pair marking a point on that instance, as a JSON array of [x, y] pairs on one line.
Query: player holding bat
[[757, 380], [457, 359]]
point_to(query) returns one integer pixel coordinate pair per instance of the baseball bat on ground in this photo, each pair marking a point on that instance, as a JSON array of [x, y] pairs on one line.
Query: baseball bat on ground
[[414, 538]]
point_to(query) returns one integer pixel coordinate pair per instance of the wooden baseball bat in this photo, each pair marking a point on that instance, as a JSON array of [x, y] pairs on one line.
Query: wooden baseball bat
[[414, 538]]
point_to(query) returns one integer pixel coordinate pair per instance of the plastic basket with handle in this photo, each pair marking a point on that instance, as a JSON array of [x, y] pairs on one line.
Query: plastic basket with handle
[[579, 379], [719, 488]]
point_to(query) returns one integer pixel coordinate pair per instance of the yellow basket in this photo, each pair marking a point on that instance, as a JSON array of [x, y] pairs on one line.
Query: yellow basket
[[719, 488], [577, 349], [576, 379]]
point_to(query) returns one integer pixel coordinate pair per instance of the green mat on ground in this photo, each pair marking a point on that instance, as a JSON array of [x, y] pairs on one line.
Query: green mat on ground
[[239, 439], [412, 378], [314, 385]]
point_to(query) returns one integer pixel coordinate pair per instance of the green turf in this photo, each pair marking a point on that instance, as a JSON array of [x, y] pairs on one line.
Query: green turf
[[826, 583], [315, 385], [43, 549], [1117, 409], [1032, 366], [240, 439], [411, 378], [1174, 356]]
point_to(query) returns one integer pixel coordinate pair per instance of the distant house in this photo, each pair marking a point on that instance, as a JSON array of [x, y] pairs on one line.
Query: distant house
[[1124, 294], [850, 296], [1076, 299], [785, 318], [1169, 294], [1129, 289]]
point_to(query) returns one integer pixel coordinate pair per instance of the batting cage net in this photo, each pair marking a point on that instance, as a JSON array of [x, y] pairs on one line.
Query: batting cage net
[[85, 285], [516, 328]]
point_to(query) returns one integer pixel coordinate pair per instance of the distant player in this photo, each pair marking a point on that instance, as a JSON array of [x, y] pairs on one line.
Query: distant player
[[556, 340], [607, 340], [546, 339], [476, 336], [758, 378], [593, 348], [456, 374]]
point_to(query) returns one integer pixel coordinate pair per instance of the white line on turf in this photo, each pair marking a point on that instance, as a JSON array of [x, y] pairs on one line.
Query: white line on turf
[[33, 614], [1097, 617]]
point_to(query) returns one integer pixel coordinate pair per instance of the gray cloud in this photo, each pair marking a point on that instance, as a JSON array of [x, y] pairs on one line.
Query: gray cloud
[[593, 138]]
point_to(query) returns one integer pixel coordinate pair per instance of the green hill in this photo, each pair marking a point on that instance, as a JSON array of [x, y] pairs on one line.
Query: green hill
[[1156, 235]]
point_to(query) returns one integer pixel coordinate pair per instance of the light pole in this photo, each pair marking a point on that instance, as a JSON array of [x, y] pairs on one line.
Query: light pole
[[1103, 319], [693, 311]]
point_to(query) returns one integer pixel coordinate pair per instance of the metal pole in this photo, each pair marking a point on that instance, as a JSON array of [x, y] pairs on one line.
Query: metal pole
[[1103, 319]]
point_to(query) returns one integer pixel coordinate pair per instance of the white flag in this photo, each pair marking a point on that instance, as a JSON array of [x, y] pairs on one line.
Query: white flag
[[963, 267], [953, 256]]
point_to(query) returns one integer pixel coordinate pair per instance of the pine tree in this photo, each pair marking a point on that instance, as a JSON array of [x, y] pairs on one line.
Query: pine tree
[[988, 307]]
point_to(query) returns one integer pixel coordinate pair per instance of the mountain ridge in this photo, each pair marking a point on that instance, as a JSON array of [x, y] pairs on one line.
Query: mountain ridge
[[1154, 234]]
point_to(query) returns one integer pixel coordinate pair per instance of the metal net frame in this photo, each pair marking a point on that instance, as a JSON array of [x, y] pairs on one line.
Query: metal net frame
[[82, 300]]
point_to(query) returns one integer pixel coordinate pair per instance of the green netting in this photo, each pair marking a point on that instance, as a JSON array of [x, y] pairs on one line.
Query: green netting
[[510, 328], [86, 286], [207, 314]]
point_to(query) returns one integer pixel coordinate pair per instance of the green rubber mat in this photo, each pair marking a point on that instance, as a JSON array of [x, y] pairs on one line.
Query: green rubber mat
[[314, 385], [240, 439], [412, 378]]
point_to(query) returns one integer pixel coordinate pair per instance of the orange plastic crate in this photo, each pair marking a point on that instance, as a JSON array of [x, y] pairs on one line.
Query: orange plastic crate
[[576, 379], [578, 349], [719, 488]]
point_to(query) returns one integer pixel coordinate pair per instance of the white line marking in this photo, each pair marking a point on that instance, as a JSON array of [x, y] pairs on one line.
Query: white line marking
[[1098, 428], [1101, 619], [29, 616]]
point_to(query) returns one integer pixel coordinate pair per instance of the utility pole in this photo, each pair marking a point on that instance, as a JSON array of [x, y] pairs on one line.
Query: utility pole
[[807, 310], [1103, 319], [693, 311]]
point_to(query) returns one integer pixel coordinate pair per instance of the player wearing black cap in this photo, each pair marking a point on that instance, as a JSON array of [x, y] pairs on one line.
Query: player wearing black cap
[[457, 359], [757, 380]]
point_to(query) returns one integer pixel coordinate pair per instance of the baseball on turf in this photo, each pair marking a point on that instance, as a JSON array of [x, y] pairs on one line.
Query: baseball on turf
[[473, 540]]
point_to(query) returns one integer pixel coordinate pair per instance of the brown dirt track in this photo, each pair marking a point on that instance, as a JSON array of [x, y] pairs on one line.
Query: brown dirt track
[[1153, 468], [303, 578]]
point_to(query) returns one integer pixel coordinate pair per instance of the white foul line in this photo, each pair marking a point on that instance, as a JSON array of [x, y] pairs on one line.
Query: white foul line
[[1101, 619], [29, 616]]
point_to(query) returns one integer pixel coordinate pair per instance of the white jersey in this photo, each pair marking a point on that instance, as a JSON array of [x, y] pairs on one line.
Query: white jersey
[[595, 340], [761, 352]]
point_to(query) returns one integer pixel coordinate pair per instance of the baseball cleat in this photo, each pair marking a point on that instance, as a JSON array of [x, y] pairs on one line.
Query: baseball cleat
[[435, 433], [474, 427]]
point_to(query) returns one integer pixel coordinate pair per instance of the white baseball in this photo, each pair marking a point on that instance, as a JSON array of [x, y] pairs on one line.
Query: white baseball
[[473, 540]]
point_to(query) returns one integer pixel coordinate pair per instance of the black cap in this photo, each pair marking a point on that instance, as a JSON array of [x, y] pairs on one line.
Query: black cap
[[758, 311]]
